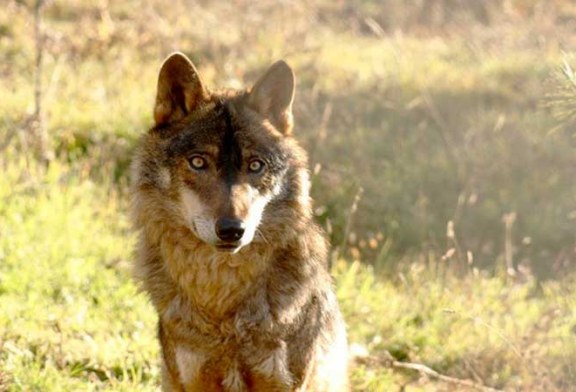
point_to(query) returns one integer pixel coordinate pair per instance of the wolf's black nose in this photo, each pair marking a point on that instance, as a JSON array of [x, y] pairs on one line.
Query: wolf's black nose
[[229, 230]]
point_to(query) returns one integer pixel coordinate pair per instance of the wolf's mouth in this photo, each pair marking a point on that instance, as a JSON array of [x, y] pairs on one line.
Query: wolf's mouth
[[228, 247]]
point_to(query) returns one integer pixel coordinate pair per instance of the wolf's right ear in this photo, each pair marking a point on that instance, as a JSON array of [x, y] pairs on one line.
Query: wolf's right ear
[[180, 89]]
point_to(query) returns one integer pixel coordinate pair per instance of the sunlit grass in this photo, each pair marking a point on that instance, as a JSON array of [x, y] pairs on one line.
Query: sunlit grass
[[68, 304], [476, 327], [426, 123], [72, 318]]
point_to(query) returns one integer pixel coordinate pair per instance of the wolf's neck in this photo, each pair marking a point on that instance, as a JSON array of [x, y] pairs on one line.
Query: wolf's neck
[[214, 281]]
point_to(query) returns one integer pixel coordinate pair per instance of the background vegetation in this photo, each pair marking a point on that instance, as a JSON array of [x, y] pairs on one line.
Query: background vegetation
[[441, 136]]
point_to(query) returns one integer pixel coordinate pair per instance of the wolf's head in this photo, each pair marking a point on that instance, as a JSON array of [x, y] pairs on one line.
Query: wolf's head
[[224, 164]]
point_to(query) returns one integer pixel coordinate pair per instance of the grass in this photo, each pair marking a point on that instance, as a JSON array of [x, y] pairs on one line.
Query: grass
[[70, 312], [438, 118], [72, 318]]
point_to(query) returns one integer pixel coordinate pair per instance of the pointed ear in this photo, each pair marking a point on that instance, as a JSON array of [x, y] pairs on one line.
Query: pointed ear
[[180, 89], [272, 96]]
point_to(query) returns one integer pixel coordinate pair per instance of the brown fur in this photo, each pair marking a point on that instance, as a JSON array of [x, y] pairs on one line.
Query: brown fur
[[264, 318]]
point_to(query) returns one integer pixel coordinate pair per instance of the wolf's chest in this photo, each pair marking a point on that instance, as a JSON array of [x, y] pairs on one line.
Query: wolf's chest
[[233, 371], [213, 281]]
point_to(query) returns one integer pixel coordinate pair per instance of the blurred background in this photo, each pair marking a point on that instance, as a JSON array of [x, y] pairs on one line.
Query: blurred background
[[442, 144]]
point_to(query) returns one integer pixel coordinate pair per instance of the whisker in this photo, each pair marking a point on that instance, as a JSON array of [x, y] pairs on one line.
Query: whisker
[[262, 236]]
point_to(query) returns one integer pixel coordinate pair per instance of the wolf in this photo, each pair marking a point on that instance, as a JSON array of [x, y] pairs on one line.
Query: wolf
[[228, 251]]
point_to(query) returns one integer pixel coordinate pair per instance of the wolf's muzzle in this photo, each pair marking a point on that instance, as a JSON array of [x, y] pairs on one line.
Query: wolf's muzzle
[[230, 230]]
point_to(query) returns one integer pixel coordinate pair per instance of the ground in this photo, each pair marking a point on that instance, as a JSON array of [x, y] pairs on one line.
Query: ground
[[421, 125]]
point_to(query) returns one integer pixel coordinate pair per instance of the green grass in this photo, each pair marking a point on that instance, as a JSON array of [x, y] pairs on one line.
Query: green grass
[[72, 319], [70, 313], [436, 116]]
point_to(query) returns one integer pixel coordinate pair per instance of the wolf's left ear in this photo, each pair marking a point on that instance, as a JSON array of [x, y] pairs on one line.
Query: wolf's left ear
[[180, 90], [272, 96]]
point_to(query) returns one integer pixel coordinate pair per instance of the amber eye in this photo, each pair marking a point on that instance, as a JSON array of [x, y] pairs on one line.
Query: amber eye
[[196, 162], [256, 166]]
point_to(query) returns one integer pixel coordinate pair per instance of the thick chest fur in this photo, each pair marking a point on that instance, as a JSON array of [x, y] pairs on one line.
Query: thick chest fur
[[227, 363], [254, 351], [222, 331], [227, 323]]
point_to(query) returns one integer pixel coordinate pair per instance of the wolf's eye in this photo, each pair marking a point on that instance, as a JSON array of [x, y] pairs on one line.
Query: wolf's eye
[[256, 166], [197, 162]]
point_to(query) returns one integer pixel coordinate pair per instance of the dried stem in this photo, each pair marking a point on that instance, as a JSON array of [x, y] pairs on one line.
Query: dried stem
[[38, 123], [509, 220], [351, 213], [3, 382], [387, 360]]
